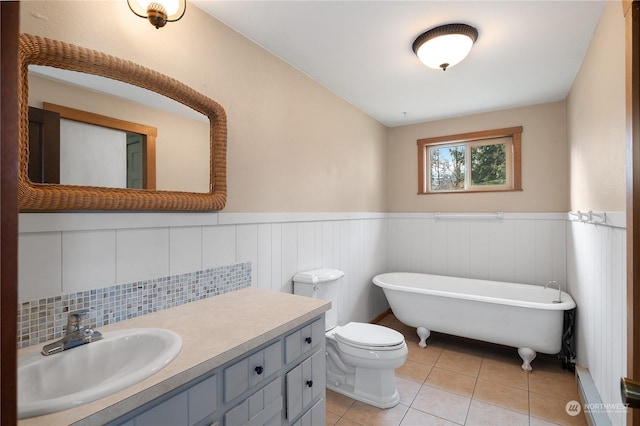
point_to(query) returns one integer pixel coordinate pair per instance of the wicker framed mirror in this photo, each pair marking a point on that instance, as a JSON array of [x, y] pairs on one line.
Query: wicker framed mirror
[[32, 196]]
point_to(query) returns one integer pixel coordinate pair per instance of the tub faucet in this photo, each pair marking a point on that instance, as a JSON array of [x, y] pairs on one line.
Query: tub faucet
[[555, 283], [77, 334]]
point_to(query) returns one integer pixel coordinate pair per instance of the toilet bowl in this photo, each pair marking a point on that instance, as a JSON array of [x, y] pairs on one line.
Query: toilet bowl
[[361, 358], [361, 362]]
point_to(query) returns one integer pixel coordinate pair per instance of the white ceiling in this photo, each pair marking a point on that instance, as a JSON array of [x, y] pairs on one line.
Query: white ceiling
[[527, 52]]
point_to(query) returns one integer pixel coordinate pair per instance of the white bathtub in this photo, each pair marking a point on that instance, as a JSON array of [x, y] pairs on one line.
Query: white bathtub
[[518, 315]]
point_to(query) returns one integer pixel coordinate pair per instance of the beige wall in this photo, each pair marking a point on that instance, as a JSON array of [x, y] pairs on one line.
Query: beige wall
[[596, 120], [544, 163], [292, 144]]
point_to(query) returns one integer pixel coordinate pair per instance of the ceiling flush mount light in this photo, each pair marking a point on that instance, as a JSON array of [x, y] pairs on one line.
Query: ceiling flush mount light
[[158, 12], [446, 45]]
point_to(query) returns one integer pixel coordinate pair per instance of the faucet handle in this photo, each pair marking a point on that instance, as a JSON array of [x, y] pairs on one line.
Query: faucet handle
[[76, 319]]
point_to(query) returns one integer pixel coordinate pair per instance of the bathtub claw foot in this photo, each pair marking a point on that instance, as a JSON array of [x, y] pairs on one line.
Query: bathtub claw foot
[[527, 355], [424, 334]]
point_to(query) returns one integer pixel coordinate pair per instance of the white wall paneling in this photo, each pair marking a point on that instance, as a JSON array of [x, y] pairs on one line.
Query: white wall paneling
[[39, 265], [106, 249], [527, 248], [522, 248], [218, 246], [596, 264], [185, 249], [88, 260], [141, 254]]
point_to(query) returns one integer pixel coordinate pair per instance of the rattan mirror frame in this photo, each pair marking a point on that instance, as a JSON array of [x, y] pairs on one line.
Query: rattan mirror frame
[[35, 50]]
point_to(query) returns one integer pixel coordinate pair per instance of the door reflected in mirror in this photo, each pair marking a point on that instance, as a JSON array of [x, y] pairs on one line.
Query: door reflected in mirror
[[73, 147]]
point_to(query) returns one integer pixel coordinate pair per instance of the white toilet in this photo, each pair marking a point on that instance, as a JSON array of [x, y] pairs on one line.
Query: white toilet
[[361, 358]]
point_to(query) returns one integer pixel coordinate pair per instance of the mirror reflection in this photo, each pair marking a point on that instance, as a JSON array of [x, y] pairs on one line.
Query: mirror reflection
[[175, 178], [91, 131]]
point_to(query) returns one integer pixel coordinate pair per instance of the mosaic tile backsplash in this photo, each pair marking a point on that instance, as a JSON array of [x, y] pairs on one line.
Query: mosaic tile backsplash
[[46, 319]]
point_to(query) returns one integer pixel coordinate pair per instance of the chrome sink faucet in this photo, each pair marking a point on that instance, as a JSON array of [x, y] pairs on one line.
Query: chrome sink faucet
[[77, 334], [555, 283]]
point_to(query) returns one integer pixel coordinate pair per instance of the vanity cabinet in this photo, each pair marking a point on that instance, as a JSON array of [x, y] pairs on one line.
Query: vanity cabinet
[[305, 384], [251, 371], [282, 382]]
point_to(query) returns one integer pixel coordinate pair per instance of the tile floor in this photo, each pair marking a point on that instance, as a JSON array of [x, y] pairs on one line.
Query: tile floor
[[456, 381]]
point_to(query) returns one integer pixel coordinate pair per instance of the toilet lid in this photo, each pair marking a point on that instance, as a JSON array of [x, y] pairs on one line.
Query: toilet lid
[[363, 334]]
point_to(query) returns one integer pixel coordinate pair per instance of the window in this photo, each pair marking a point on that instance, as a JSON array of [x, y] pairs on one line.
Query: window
[[470, 162]]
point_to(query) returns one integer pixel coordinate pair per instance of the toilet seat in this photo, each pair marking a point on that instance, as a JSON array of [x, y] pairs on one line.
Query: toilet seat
[[369, 337]]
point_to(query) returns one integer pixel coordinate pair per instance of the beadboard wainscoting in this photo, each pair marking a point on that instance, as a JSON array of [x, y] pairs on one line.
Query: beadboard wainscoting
[[64, 253], [596, 272], [527, 248]]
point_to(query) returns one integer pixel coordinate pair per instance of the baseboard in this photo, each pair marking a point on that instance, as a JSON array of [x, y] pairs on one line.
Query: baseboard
[[589, 397], [380, 317]]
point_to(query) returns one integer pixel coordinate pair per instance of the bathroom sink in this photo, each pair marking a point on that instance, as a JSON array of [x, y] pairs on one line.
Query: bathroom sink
[[47, 384]]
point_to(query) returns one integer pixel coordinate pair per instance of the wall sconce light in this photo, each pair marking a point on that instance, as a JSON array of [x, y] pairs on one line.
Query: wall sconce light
[[158, 12], [446, 45]]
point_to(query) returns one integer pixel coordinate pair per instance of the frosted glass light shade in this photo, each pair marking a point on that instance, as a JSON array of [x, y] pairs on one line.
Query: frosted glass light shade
[[445, 46]]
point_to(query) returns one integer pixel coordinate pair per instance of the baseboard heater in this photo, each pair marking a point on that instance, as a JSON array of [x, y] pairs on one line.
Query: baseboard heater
[[589, 397]]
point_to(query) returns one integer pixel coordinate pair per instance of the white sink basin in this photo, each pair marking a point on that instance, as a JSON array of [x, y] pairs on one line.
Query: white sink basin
[[47, 384]]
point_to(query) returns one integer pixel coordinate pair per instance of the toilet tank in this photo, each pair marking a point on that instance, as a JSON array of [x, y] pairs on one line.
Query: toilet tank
[[321, 284]]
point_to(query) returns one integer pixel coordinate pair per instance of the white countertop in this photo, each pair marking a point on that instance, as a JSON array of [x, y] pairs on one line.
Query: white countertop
[[213, 331]]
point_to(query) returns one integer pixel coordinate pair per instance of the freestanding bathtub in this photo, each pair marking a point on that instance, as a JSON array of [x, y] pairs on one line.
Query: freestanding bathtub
[[527, 317]]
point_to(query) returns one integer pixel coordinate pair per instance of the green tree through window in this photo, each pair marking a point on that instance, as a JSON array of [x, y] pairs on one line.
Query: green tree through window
[[489, 164], [479, 161]]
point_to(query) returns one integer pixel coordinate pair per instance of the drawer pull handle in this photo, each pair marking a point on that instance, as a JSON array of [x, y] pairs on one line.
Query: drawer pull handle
[[308, 340], [310, 383], [259, 369]]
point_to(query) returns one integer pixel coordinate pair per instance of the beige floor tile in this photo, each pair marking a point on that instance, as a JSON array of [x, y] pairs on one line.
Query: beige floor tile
[[440, 340], [451, 381], [428, 355], [553, 410], [369, 415], [459, 362], [387, 321], [346, 422], [443, 404], [338, 403], [414, 371], [483, 414], [407, 389], [546, 364], [534, 421], [504, 372], [331, 419], [408, 332], [551, 385], [494, 351], [418, 418], [504, 396], [467, 346]]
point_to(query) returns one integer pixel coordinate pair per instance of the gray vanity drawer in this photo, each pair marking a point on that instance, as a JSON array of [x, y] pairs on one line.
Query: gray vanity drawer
[[315, 416], [195, 404], [203, 399], [251, 371], [305, 384], [304, 340], [169, 413], [261, 408]]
